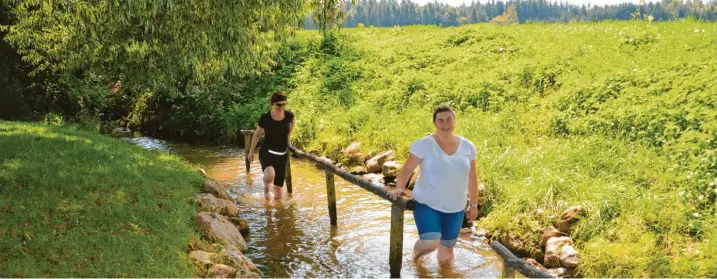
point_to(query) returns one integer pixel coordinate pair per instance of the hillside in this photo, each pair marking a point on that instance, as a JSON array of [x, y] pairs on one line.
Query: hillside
[[617, 117]]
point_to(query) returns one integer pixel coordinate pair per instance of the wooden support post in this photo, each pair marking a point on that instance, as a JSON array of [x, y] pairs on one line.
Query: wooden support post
[[288, 172], [395, 256], [331, 194], [368, 185], [247, 145], [508, 271]]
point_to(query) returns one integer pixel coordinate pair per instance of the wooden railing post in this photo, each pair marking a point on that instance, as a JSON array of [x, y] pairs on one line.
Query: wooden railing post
[[395, 256], [508, 271], [331, 195], [288, 172], [247, 145]]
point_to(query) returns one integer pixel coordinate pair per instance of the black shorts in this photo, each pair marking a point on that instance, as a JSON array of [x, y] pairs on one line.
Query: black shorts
[[278, 162]]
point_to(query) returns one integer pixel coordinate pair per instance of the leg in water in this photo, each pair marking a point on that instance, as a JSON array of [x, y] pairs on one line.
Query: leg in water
[[268, 182]]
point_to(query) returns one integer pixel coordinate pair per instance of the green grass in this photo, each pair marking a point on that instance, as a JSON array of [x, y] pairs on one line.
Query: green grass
[[77, 204], [618, 117]]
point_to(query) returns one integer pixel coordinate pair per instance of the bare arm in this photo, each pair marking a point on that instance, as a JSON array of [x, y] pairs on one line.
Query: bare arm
[[473, 183], [472, 192], [404, 173], [291, 130], [254, 142]]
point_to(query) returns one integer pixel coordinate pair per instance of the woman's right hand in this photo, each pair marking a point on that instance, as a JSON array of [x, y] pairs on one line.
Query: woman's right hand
[[251, 157], [396, 193]]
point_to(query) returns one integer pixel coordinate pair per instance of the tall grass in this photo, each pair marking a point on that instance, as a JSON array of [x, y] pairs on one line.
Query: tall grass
[[618, 117]]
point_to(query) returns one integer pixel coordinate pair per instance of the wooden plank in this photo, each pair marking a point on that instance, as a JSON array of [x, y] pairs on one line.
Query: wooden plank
[[331, 195], [288, 173], [395, 257], [511, 262]]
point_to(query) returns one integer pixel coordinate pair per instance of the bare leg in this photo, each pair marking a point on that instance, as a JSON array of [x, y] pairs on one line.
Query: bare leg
[[445, 254], [422, 271], [423, 247], [446, 270], [278, 192], [268, 181]]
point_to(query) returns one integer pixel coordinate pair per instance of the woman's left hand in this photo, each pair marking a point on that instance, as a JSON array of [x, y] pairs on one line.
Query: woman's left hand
[[396, 193], [472, 213]]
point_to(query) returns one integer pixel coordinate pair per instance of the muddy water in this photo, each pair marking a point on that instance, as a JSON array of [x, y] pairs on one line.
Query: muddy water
[[293, 237]]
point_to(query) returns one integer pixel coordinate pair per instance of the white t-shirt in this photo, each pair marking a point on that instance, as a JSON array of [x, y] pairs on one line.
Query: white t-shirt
[[443, 183]]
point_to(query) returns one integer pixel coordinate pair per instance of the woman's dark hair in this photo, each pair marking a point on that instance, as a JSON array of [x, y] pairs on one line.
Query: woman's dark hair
[[278, 96], [442, 108]]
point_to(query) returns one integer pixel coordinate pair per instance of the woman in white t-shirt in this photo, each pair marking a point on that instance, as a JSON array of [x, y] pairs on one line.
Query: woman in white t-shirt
[[448, 175]]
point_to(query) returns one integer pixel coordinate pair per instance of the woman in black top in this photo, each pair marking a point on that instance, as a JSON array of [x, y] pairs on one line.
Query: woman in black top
[[277, 125]]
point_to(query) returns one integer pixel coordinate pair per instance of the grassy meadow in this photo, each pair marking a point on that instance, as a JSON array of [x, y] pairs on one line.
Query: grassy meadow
[[78, 204], [618, 117]]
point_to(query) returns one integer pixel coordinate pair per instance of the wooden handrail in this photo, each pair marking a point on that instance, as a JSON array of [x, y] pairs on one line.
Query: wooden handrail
[[329, 167], [368, 185], [398, 207], [512, 263]]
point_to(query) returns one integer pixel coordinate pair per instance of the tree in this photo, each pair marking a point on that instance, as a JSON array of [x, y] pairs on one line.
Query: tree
[[450, 18], [200, 40], [509, 17], [473, 18], [159, 51], [328, 14]]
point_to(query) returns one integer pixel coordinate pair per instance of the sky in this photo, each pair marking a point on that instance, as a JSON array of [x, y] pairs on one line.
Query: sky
[[577, 2]]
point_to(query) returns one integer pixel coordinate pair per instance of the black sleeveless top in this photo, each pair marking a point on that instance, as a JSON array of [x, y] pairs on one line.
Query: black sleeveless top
[[276, 133]]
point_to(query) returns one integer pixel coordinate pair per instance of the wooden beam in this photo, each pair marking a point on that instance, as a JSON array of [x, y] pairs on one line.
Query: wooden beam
[[395, 256], [373, 188], [331, 195], [288, 173], [511, 262], [247, 146]]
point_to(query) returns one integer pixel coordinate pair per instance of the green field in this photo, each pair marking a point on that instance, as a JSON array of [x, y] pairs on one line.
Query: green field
[[618, 117], [78, 204]]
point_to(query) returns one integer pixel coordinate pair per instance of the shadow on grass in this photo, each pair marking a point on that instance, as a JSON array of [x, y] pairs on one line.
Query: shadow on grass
[[76, 204]]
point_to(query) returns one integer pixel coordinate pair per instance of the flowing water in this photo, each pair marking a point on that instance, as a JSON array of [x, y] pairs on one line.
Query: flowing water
[[293, 237]]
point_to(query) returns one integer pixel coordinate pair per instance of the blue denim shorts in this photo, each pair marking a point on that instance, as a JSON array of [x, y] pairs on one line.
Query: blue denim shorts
[[433, 224]]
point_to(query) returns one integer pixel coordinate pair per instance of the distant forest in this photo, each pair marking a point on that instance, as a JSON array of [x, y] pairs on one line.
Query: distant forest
[[387, 13]]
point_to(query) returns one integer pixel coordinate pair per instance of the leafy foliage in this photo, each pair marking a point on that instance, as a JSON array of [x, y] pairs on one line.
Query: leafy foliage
[[138, 59]]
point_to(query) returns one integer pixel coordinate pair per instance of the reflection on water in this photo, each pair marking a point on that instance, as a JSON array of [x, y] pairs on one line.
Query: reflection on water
[[149, 143], [293, 237]]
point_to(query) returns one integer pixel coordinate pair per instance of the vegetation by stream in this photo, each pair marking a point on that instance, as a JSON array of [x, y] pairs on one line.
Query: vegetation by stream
[[78, 204], [617, 117]]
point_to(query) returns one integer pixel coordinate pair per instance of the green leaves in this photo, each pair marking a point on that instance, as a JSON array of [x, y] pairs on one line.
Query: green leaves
[[144, 41], [328, 14]]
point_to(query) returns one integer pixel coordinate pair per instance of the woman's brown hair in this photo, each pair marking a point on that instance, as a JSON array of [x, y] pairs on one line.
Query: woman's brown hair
[[442, 108], [278, 96]]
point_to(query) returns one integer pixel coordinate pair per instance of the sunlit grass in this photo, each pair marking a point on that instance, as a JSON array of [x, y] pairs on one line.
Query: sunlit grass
[[617, 117], [77, 204]]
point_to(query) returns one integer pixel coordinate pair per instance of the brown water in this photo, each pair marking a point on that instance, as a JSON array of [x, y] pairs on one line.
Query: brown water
[[293, 237]]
